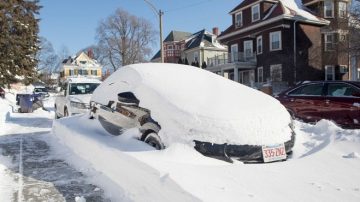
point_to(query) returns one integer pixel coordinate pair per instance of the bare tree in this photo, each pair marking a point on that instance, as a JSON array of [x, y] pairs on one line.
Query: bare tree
[[354, 28], [124, 39], [48, 59]]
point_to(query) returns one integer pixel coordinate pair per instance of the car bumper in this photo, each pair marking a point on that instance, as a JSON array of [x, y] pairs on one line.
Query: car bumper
[[245, 153]]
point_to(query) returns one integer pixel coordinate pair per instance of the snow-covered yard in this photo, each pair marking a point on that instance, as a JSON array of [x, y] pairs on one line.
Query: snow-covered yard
[[324, 166]]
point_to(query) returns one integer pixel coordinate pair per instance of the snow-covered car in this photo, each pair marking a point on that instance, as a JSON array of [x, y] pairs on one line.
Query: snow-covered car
[[75, 96], [171, 103], [42, 91]]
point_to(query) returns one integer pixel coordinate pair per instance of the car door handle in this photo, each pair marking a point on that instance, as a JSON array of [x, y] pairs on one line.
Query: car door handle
[[327, 101], [292, 100]]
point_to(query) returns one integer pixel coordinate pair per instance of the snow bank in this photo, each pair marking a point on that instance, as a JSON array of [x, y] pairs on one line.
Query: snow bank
[[190, 103], [127, 178]]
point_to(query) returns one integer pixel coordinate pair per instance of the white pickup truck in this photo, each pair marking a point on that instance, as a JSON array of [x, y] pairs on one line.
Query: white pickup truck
[[75, 96]]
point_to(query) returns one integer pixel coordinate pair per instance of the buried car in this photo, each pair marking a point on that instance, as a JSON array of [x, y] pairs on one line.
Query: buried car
[[171, 103]]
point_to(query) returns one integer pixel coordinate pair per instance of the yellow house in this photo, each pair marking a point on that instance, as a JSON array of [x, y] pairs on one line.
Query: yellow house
[[80, 66]]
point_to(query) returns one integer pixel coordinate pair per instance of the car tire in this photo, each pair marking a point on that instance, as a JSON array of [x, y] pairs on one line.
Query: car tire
[[154, 140]]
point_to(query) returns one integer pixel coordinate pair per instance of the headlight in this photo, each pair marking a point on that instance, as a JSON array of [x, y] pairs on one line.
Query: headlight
[[79, 105]]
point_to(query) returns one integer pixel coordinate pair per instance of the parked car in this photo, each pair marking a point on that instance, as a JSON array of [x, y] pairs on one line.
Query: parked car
[[338, 101], [172, 103], [42, 91], [2, 93], [75, 96]]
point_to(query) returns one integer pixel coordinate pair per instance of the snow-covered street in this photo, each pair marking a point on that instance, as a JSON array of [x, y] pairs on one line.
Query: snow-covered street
[[75, 159]]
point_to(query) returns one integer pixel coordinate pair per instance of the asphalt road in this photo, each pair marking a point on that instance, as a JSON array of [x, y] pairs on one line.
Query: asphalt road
[[40, 175]]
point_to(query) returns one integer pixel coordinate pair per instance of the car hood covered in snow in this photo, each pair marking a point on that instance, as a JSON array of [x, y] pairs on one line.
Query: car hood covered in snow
[[193, 104]]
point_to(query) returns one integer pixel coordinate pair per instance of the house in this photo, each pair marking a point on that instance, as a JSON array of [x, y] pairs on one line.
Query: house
[[80, 65], [335, 55], [202, 45], [173, 44], [277, 41], [195, 49]]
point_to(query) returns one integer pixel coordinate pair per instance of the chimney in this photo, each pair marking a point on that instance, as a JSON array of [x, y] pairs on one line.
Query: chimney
[[215, 31], [90, 53]]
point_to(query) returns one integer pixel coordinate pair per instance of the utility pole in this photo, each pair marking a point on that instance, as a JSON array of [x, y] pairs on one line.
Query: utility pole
[[160, 14]]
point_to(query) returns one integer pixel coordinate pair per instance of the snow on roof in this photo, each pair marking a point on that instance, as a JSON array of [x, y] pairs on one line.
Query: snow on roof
[[295, 7], [83, 80], [190, 103]]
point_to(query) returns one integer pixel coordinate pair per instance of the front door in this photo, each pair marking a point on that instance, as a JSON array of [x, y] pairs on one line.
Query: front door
[[234, 53]]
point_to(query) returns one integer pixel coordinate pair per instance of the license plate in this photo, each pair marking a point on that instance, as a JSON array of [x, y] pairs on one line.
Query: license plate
[[274, 153]]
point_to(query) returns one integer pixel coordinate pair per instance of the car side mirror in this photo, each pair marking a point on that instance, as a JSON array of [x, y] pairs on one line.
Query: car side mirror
[[128, 98]]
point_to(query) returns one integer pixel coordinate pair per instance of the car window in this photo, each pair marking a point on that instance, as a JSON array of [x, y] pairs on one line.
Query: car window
[[341, 90], [308, 90], [82, 88]]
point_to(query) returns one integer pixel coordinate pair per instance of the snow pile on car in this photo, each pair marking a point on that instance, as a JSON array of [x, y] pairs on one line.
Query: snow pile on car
[[193, 104]]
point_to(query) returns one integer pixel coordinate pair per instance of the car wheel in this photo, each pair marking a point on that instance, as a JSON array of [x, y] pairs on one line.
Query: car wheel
[[154, 140], [66, 113]]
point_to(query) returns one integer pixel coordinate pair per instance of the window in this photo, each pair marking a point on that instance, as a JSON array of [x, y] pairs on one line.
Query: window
[[248, 49], [234, 53], [260, 74], [309, 90], [196, 56], [341, 90], [94, 72], [342, 9], [259, 45], [329, 41], [170, 47], [275, 41], [71, 72], [276, 72], [255, 13], [238, 20], [329, 72], [343, 69], [328, 8]]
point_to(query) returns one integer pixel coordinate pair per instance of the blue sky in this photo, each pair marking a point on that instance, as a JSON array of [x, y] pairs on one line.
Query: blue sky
[[73, 23]]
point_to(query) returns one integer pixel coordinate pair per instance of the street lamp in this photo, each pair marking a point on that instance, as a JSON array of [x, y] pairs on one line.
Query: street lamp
[[160, 14]]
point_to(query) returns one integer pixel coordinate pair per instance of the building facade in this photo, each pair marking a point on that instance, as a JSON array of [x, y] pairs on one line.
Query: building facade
[[277, 41], [193, 49], [80, 65]]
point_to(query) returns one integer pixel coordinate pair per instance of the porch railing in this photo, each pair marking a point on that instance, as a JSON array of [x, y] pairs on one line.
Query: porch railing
[[227, 58]]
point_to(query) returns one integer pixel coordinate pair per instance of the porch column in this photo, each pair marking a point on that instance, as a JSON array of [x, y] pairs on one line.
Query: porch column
[[236, 74], [222, 72]]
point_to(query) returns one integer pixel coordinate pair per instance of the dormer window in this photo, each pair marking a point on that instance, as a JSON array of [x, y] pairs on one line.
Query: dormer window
[[328, 8], [255, 13], [238, 20]]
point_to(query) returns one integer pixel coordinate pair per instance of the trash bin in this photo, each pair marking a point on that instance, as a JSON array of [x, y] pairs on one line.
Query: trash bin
[[26, 102]]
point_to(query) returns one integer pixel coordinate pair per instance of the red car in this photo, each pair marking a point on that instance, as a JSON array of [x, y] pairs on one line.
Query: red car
[[2, 93], [338, 101]]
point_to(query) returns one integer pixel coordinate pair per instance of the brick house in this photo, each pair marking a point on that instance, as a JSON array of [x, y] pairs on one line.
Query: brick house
[[276, 41], [195, 48], [173, 44], [335, 56]]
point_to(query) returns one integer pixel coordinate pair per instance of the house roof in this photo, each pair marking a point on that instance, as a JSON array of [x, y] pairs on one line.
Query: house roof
[[176, 36], [201, 38], [282, 9]]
